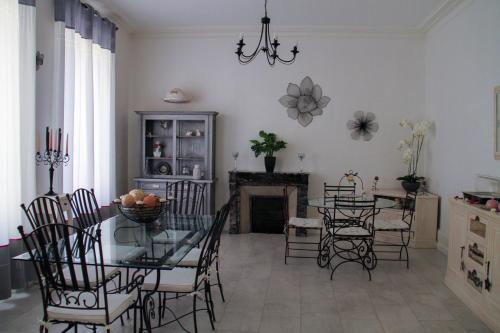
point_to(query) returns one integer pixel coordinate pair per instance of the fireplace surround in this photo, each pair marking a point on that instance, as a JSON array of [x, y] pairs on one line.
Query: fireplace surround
[[248, 184]]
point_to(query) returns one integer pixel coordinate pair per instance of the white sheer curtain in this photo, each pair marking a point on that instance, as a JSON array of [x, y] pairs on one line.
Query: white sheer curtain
[[17, 115], [84, 50]]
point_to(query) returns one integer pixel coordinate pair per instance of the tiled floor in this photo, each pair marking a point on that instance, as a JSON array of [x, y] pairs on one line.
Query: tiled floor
[[265, 295]]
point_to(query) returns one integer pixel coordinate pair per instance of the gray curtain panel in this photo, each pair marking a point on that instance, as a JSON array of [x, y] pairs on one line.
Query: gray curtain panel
[[87, 22]]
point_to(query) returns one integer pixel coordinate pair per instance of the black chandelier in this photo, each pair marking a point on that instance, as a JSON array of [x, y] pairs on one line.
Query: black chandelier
[[269, 47]]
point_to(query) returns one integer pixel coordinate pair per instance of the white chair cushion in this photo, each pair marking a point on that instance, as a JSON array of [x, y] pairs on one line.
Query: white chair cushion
[[177, 280], [109, 272], [388, 225], [350, 231], [117, 304], [191, 259], [304, 222]]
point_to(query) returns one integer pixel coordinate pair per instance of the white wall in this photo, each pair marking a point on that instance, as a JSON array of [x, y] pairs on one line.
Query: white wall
[[384, 75], [462, 68]]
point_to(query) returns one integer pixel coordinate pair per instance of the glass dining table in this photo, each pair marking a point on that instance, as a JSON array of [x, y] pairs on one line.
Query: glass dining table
[[149, 248], [326, 205]]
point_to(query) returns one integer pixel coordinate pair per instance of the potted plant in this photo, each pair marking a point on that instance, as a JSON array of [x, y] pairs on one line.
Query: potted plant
[[268, 146], [411, 149]]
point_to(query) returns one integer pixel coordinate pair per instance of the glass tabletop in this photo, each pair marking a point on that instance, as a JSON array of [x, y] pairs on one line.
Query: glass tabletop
[[329, 202], [160, 244]]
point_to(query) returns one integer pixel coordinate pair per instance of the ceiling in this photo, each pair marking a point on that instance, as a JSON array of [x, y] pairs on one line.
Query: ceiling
[[162, 15]]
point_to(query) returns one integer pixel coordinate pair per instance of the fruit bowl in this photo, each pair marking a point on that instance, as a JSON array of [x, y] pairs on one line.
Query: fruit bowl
[[141, 213]]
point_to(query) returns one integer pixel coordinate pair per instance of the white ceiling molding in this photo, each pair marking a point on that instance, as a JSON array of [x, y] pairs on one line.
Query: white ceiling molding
[[439, 13], [284, 31]]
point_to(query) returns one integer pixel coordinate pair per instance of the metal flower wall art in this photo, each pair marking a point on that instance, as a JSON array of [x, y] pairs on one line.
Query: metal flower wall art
[[363, 126], [304, 102]]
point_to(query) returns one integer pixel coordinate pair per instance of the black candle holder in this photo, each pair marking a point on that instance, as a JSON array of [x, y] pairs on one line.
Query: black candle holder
[[53, 158]]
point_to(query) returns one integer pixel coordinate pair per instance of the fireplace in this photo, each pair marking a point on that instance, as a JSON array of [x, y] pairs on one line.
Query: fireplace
[[266, 214], [249, 186]]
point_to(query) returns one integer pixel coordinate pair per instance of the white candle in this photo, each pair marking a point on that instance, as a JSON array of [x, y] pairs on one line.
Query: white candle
[[241, 35], [275, 37]]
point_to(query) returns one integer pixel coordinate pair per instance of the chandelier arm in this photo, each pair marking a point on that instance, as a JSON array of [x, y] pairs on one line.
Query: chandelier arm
[[257, 49], [286, 62]]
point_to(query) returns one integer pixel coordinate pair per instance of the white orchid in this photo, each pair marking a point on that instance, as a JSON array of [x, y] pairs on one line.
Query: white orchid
[[405, 123], [412, 147], [407, 155], [422, 128]]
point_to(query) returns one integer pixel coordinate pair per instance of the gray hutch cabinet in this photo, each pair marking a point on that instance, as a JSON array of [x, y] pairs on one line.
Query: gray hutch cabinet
[[177, 145]]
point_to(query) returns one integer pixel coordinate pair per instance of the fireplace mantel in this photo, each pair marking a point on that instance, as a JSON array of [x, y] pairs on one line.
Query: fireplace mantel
[[244, 184]]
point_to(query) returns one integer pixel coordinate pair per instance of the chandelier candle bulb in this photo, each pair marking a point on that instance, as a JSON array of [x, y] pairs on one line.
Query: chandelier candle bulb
[[241, 36]]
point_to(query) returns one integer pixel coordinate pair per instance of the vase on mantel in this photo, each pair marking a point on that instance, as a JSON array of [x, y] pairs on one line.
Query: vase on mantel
[[270, 163]]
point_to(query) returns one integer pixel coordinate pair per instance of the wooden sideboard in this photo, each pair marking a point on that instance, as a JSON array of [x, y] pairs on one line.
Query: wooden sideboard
[[473, 271], [424, 226]]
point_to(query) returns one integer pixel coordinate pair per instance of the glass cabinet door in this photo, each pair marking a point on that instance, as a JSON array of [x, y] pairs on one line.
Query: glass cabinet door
[[159, 147], [191, 147]]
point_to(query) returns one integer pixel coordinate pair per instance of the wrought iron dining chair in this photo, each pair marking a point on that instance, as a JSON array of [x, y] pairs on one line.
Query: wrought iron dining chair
[[192, 258], [293, 222], [352, 178], [46, 210], [188, 197], [42, 211], [185, 281], [401, 227], [65, 299], [352, 233], [86, 210]]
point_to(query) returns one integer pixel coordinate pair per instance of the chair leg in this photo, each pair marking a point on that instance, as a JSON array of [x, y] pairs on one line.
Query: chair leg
[[207, 303], [218, 279], [211, 300], [194, 314]]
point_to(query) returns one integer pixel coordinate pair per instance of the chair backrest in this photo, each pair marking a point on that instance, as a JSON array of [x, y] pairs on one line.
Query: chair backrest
[[189, 197], [58, 263], [207, 249], [354, 212], [223, 218], [351, 178], [409, 208], [42, 211], [84, 206], [332, 191]]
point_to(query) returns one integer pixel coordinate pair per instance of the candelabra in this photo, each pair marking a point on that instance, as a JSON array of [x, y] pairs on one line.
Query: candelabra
[[52, 156], [53, 159]]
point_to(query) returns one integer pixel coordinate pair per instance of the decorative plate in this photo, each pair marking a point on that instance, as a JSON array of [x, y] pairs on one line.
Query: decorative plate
[[164, 168]]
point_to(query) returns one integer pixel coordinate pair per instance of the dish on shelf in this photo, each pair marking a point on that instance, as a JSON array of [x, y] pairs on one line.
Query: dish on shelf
[[163, 168]]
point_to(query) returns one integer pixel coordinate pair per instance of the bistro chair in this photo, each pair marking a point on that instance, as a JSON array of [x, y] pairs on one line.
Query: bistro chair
[[42, 211], [193, 256], [188, 197], [84, 206], [401, 227], [352, 178], [186, 281], [292, 223], [352, 233], [65, 299], [45, 210]]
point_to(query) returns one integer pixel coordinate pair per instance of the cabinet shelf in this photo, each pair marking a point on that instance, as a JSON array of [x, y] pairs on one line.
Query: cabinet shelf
[[158, 137], [158, 158], [190, 137], [190, 158]]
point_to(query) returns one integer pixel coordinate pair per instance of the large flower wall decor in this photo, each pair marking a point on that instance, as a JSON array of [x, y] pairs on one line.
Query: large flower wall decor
[[363, 126], [305, 101]]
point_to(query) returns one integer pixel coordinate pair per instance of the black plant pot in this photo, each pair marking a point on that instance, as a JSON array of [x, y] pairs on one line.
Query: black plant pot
[[270, 162], [410, 186]]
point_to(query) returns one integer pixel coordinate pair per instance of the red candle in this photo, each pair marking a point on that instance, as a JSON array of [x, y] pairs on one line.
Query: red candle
[[50, 139], [67, 142]]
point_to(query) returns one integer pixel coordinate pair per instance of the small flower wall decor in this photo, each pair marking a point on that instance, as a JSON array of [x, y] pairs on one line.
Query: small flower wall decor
[[305, 101], [363, 126]]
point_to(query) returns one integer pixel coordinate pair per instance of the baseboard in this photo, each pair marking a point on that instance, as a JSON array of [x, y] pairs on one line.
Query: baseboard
[[442, 243]]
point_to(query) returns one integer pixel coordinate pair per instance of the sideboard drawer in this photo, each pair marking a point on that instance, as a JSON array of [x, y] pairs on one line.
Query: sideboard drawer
[[477, 226], [153, 186]]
